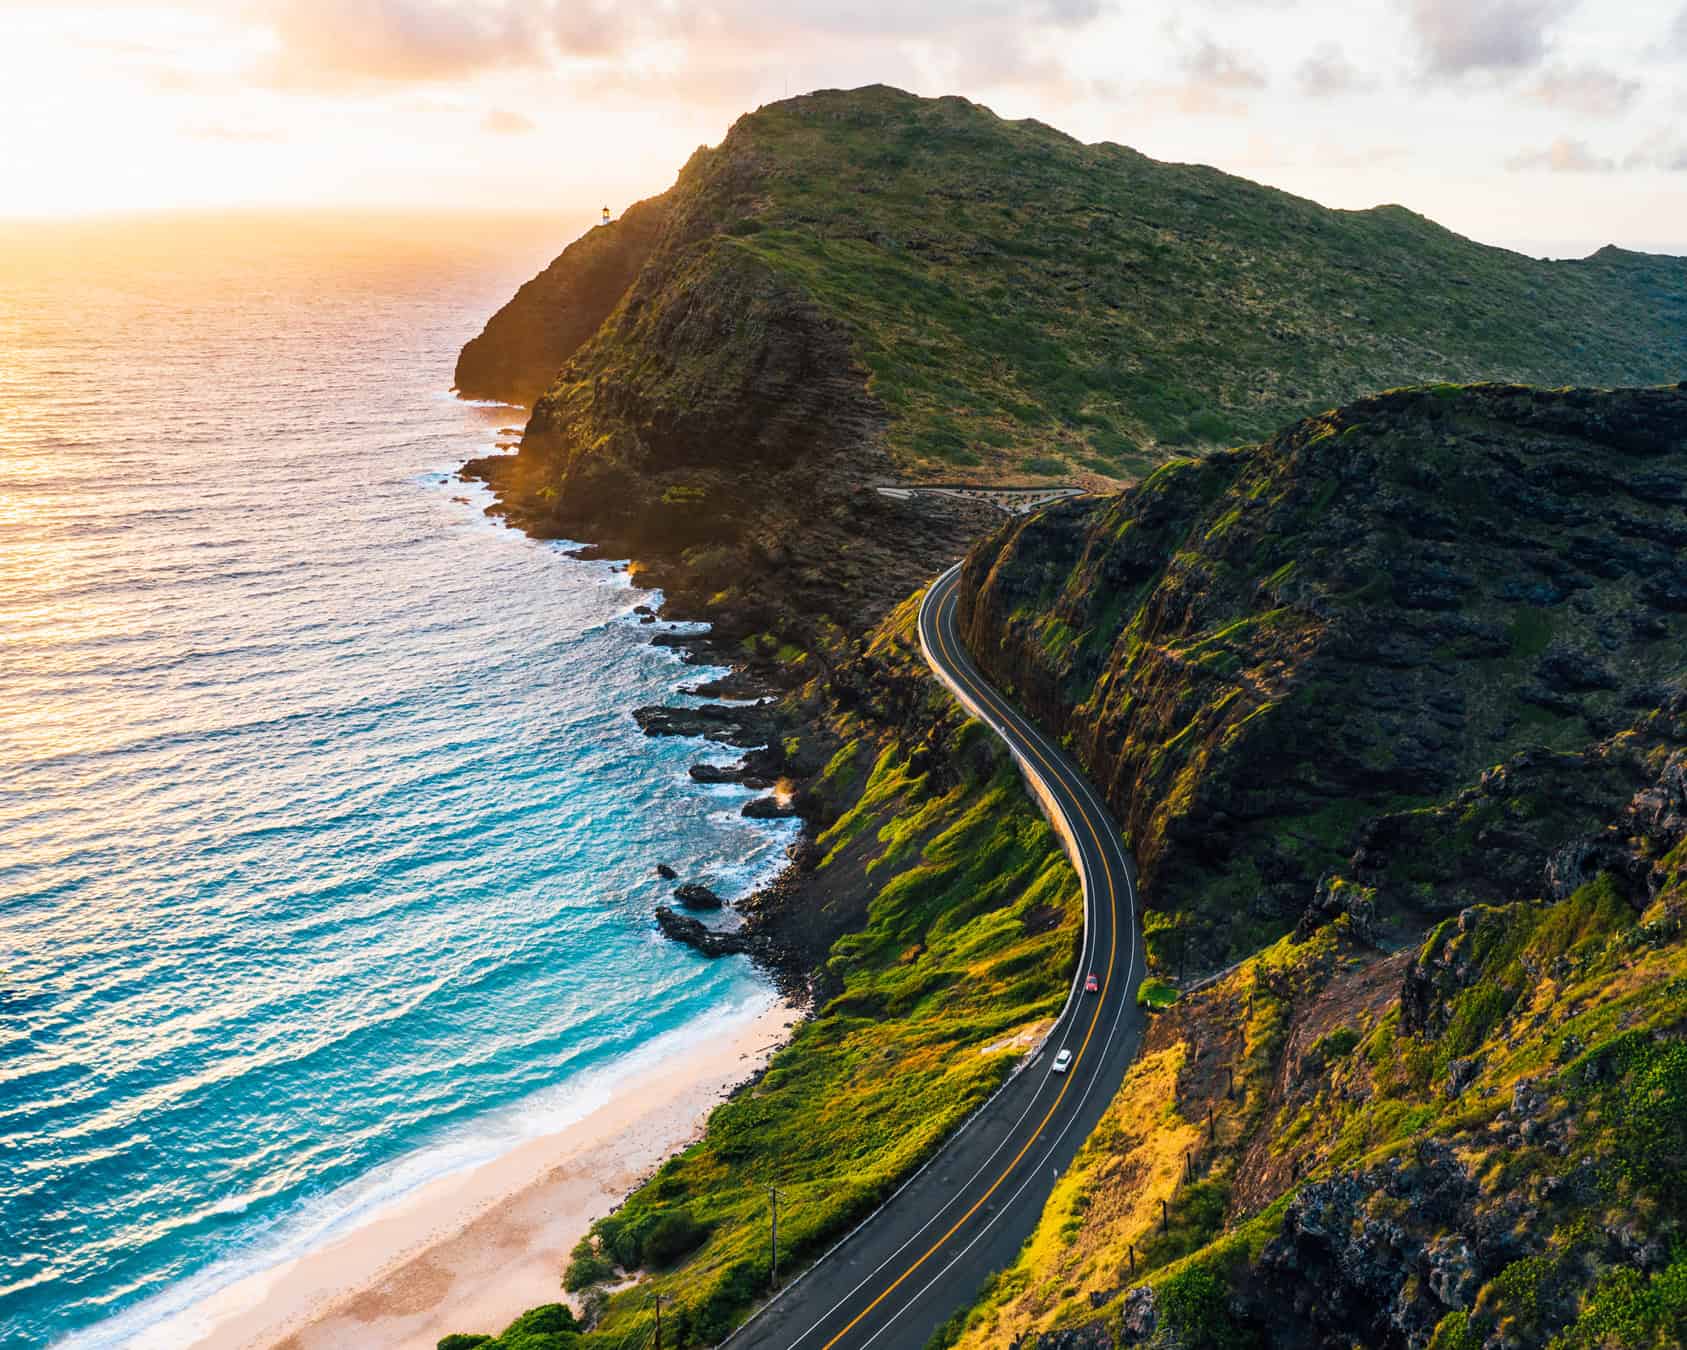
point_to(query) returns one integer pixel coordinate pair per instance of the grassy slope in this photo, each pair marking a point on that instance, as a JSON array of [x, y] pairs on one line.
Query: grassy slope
[[1258, 651], [1575, 1000], [1026, 306], [1031, 305], [967, 950]]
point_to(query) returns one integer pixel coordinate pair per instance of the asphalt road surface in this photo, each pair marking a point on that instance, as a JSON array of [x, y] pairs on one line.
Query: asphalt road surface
[[925, 1253]]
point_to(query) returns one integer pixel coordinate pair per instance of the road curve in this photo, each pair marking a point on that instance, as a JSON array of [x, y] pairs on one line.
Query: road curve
[[925, 1252]]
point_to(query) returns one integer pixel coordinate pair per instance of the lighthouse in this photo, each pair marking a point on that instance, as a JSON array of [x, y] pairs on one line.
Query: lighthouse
[[606, 215]]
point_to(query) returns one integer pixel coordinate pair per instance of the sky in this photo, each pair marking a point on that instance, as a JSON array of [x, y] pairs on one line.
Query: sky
[[1551, 125]]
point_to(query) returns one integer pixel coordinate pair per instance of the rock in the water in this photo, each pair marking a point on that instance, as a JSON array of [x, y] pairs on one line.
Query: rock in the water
[[718, 773], [682, 928], [740, 726], [768, 808], [694, 895], [666, 873]]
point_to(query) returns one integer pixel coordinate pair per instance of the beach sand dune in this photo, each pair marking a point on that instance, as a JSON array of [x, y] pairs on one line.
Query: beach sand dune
[[471, 1251]]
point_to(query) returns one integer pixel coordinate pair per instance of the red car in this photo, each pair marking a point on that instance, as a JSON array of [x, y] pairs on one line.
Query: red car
[[1091, 985]]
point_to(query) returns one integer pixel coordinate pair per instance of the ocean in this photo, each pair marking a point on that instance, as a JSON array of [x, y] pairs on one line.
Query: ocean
[[326, 837]]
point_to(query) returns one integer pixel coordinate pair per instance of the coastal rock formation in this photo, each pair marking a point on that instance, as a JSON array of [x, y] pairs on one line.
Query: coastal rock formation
[[745, 726], [771, 808], [718, 773], [1396, 666], [709, 941], [1273, 658], [695, 895]]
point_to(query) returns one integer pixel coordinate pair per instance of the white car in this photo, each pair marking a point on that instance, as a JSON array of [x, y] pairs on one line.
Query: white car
[[1062, 1062]]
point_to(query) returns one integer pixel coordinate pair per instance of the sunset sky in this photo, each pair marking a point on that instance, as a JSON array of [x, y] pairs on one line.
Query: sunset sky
[[1554, 125]]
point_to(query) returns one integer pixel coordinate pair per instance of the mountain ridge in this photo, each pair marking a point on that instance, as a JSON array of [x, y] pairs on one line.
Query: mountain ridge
[[864, 287]]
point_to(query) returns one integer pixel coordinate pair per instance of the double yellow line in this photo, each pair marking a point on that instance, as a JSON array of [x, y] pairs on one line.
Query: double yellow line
[[1095, 1019]]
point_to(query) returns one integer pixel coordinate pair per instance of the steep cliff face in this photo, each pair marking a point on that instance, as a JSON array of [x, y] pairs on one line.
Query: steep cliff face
[[518, 353], [1260, 653]]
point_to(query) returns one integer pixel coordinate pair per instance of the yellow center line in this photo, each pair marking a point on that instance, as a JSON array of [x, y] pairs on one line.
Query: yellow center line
[[1112, 957]]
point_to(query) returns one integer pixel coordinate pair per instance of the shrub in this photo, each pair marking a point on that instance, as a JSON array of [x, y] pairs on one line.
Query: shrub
[[1334, 1045], [1652, 1136], [671, 1237], [1195, 1303], [586, 1266]]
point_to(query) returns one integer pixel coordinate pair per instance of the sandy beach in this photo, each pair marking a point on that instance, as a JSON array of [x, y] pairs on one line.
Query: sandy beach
[[471, 1251]]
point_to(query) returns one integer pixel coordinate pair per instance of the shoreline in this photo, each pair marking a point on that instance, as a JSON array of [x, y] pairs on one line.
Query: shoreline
[[472, 1250]]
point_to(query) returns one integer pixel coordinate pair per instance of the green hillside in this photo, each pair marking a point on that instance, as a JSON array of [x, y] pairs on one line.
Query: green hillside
[[1024, 304]]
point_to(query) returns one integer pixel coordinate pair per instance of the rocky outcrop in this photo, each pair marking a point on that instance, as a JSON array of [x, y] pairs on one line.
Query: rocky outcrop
[[710, 941], [742, 774], [1258, 653], [730, 724], [771, 808], [1354, 1257], [695, 895]]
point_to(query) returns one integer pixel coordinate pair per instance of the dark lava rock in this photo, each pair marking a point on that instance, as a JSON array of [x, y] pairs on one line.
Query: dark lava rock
[[666, 873], [1342, 1264], [692, 933], [734, 684], [718, 773], [769, 808], [695, 895], [745, 727]]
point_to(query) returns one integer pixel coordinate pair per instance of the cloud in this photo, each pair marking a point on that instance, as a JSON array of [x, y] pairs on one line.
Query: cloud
[[1588, 90], [1664, 150], [348, 45], [1562, 156], [503, 122], [1215, 79], [1676, 42], [1328, 72], [1459, 37], [339, 43], [1217, 67]]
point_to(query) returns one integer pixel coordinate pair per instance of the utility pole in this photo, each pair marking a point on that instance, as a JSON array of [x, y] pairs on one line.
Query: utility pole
[[773, 1199], [657, 1298]]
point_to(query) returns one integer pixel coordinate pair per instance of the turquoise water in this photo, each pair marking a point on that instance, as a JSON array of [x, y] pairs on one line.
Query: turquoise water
[[326, 840]]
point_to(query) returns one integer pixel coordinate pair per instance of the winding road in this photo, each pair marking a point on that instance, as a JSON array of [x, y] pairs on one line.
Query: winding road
[[925, 1253]]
